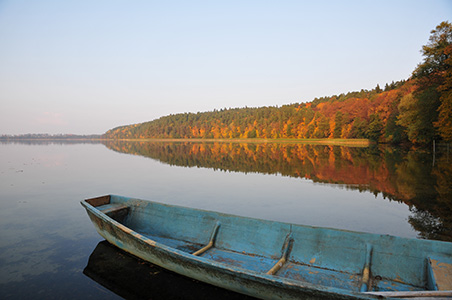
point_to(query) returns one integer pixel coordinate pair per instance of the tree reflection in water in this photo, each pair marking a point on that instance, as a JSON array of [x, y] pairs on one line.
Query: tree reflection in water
[[408, 176]]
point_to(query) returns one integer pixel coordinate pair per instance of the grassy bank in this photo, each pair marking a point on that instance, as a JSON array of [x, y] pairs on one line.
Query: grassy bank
[[338, 142]]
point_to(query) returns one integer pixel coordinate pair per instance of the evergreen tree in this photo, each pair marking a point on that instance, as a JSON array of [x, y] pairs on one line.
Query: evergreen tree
[[338, 120], [378, 89], [375, 128]]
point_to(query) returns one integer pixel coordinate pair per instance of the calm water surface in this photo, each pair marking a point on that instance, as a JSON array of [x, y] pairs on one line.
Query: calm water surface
[[49, 249]]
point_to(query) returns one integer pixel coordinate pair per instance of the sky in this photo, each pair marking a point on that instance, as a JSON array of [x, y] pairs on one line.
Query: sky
[[84, 67]]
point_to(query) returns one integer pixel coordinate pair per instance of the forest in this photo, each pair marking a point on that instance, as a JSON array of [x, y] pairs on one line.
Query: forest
[[417, 111]]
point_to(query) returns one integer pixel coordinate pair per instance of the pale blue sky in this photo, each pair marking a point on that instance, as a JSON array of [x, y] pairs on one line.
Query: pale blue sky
[[88, 66]]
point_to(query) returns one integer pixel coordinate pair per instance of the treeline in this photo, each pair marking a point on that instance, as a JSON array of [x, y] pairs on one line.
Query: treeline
[[364, 114], [418, 110]]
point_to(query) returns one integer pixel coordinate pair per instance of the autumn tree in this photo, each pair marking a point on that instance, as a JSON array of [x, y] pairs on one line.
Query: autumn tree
[[433, 89], [394, 133], [409, 111], [444, 123], [435, 56]]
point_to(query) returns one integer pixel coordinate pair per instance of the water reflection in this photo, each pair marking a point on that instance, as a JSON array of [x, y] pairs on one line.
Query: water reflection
[[132, 278], [46, 236], [407, 176], [48, 142]]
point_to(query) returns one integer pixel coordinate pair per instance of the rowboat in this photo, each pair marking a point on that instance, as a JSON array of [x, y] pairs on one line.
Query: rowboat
[[274, 260]]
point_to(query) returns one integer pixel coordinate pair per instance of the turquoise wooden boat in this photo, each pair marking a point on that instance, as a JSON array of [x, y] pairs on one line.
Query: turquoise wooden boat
[[274, 260]]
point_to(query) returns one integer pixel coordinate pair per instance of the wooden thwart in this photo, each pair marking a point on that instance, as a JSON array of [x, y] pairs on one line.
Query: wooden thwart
[[365, 279], [211, 242], [287, 247], [99, 201], [113, 208], [442, 273]]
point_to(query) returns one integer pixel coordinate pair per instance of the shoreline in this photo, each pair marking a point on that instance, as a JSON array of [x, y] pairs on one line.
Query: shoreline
[[338, 142]]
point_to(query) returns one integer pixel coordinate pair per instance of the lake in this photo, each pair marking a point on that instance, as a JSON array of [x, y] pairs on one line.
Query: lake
[[50, 250]]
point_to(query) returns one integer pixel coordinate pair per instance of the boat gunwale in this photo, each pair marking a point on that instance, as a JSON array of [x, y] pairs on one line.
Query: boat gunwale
[[258, 276]]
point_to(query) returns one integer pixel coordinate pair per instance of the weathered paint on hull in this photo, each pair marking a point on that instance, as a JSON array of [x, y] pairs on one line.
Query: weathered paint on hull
[[217, 267]]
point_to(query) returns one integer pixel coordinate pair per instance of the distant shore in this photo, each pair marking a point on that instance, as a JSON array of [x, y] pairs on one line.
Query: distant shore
[[99, 139], [339, 142]]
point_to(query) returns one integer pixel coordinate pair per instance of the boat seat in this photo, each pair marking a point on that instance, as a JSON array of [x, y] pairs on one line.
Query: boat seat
[[116, 211], [113, 207], [440, 273]]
